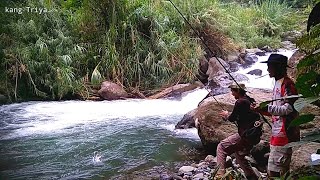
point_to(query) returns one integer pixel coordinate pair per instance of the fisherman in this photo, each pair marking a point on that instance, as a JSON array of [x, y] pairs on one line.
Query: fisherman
[[282, 113], [239, 143]]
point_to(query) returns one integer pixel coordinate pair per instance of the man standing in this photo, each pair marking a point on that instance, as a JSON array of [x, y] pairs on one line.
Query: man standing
[[282, 112]]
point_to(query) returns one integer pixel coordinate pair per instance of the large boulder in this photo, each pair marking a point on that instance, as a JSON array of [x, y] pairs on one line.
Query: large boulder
[[212, 129], [293, 61], [111, 91], [301, 156], [215, 68]]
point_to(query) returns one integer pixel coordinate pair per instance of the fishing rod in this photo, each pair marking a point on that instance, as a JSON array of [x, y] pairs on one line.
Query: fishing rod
[[204, 42], [207, 46]]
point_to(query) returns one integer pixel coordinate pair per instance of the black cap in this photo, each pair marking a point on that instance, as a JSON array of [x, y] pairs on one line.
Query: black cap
[[277, 59]]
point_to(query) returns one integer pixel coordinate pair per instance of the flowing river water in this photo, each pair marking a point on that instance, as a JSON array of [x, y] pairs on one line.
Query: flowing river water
[[98, 140]]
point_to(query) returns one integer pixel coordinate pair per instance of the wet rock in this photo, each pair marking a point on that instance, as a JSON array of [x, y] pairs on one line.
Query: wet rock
[[239, 77], [260, 53], [234, 66], [165, 176], [111, 91], [267, 49], [249, 60], [257, 72], [187, 121]]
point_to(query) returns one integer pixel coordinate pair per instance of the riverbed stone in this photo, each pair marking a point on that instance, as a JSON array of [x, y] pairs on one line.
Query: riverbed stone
[[199, 175], [186, 169], [164, 176], [260, 53], [187, 121], [210, 159], [249, 60], [257, 72], [234, 66]]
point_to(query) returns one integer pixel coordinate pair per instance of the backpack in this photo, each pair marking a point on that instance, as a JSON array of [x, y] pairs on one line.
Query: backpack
[[253, 134]]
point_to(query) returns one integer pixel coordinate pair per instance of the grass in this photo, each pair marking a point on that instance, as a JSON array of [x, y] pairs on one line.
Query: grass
[[144, 44]]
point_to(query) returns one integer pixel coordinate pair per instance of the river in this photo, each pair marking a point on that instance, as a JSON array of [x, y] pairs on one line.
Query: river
[[98, 140]]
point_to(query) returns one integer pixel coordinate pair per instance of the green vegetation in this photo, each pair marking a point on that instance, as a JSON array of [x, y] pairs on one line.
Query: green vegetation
[[140, 44], [308, 81]]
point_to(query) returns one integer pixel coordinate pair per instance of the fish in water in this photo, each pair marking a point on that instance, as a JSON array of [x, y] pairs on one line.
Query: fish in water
[[96, 157]]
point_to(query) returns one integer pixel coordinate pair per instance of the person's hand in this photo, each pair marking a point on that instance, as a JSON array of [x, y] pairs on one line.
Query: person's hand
[[224, 114], [253, 106], [262, 107]]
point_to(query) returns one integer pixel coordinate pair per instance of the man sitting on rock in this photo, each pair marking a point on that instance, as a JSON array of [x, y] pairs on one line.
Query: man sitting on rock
[[282, 112], [245, 119]]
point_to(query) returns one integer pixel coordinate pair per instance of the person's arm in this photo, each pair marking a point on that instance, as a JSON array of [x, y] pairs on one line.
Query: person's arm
[[236, 110], [280, 110], [287, 107]]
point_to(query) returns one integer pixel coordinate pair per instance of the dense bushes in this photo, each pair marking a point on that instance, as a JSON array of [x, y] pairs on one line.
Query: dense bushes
[[139, 44]]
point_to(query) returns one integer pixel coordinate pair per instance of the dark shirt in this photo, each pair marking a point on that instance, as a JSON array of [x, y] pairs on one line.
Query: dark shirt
[[243, 115]]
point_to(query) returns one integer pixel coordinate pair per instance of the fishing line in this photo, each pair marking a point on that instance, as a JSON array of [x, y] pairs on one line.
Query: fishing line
[[206, 45]]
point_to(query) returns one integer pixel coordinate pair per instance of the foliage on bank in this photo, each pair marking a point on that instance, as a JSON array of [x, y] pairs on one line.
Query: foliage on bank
[[140, 44]]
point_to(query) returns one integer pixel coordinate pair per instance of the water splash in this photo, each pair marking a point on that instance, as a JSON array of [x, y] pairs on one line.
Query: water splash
[[96, 159]]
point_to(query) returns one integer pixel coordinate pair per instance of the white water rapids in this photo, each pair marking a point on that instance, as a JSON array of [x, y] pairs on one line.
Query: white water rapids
[[53, 140]]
